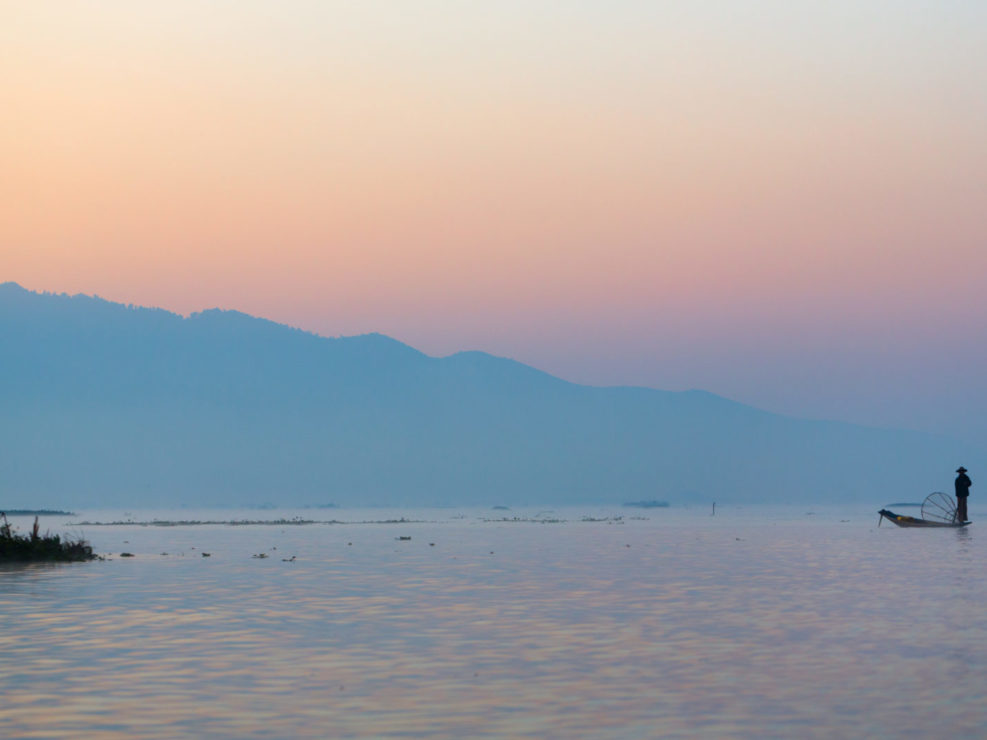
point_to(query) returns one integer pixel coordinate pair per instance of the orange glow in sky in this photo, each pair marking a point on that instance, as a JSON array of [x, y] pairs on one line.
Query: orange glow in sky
[[657, 193]]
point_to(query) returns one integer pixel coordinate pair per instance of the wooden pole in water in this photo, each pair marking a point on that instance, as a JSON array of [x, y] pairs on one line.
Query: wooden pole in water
[[714, 509]]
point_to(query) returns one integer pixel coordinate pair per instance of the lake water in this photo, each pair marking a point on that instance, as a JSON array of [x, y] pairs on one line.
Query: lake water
[[755, 623]]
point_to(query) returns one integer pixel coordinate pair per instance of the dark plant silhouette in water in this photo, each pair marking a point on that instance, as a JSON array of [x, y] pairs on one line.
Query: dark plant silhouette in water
[[34, 546]]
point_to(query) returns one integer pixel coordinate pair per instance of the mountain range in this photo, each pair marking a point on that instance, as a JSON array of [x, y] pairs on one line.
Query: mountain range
[[105, 404]]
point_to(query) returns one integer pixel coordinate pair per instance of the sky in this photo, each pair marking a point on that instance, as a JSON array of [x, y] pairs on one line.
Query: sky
[[778, 201]]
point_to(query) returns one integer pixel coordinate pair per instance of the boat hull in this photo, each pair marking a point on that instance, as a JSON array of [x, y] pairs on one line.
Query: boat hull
[[909, 521]]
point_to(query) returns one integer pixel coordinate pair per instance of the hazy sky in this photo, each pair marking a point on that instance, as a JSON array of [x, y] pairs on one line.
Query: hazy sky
[[779, 201]]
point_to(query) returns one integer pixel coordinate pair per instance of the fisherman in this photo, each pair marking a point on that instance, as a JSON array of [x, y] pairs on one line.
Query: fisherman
[[963, 484]]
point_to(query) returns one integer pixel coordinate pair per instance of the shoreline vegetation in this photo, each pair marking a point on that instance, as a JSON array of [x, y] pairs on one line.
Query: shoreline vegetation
[[38, 512], [35, 547]]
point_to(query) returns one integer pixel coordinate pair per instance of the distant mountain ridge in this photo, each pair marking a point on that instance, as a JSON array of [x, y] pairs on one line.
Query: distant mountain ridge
[[107, 404]]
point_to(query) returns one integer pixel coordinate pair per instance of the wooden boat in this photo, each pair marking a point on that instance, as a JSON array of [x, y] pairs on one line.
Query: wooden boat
[[938, 510], [909, 521]]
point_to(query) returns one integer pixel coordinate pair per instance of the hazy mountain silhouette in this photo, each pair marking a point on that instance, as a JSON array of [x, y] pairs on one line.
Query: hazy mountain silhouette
[[106, 404]]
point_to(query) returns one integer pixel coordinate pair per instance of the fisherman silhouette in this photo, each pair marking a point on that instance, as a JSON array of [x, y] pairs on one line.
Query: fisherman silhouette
[[963, 484]]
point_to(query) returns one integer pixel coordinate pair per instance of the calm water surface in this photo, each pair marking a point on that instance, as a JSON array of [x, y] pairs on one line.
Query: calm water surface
[[755, 623]]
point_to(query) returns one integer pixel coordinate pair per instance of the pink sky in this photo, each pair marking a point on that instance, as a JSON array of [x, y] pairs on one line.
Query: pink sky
[[780, 202]]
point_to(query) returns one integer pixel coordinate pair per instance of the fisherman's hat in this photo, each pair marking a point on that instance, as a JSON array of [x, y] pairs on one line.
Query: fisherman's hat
[[960, 469]]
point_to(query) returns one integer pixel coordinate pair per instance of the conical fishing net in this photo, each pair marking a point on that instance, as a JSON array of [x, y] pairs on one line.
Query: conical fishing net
[[939, 507]]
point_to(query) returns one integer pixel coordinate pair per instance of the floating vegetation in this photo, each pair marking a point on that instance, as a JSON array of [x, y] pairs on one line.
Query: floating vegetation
[[295, 521], [37, 547], [202, 523], [523, 519]]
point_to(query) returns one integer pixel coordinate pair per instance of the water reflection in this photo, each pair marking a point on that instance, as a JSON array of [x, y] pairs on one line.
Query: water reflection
[[743, 626]]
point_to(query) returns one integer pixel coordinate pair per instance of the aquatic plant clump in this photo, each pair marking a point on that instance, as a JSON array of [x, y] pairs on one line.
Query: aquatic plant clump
[[36, 547]]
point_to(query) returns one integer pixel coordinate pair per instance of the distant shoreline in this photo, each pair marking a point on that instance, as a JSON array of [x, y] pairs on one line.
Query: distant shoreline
[[37, 512]]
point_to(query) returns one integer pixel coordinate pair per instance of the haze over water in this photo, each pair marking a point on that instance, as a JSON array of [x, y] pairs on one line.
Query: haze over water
[[758, 622]]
